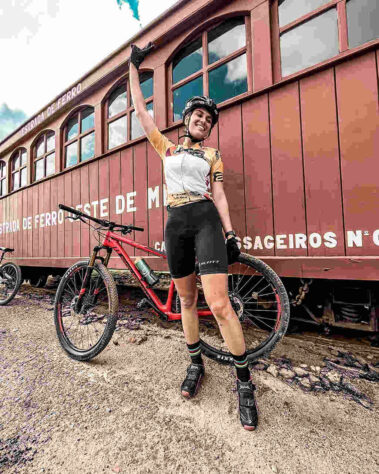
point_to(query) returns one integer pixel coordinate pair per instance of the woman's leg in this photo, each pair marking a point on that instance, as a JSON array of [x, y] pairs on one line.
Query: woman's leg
[[187, 290], [216, 294], [215, 287]]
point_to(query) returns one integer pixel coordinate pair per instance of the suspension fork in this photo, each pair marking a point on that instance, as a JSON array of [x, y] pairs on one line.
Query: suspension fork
[[88, 274]]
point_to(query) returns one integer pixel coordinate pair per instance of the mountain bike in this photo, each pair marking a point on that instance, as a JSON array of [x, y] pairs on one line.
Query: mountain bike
[[86, 302], [10, 278]]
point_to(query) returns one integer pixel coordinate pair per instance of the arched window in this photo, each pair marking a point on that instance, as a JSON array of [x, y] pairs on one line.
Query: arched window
[[214, 64], [121, 122], [79, 137], [3, 178], [19, 169], [44, 156]]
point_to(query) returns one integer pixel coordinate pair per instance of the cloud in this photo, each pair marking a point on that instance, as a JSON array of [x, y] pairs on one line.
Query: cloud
[[10, 120], [27, 17]]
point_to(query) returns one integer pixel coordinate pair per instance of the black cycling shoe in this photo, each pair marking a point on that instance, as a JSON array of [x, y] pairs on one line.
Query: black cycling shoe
[[191, 384], [247, 405]]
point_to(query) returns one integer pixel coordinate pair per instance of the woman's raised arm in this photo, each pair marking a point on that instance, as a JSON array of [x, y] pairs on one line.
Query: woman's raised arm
[[142, 114]]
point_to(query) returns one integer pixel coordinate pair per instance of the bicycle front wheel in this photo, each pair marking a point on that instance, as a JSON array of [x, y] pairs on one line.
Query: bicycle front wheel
[[10, 282], [85, 334], [261, 303]]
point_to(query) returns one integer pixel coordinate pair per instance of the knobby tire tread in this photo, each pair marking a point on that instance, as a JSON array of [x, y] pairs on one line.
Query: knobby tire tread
[[111, 321], [17, 285]]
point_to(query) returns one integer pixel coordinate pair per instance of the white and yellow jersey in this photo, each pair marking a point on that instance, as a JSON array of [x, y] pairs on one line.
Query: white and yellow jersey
[[188, 172]]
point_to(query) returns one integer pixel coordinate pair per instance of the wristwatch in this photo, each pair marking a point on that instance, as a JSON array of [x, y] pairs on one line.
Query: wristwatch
[[230, 232]]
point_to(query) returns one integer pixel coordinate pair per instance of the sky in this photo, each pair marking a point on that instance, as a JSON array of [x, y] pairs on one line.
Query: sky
[[42, 45]]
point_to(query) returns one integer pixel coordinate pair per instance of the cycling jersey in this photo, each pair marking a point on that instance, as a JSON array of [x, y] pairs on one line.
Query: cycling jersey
[[189, 171]]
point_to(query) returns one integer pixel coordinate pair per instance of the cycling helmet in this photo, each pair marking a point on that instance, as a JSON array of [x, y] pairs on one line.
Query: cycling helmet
[[201, 102]]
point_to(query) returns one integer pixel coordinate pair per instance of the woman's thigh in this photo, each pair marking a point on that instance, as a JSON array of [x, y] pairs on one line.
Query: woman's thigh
[[186, 288], [215, 288]]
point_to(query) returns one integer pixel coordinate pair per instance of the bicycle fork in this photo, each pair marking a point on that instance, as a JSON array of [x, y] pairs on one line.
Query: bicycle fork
[[87, 277]]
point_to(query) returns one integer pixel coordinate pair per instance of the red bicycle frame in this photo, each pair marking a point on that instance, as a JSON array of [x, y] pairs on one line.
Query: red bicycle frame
[[112, 240]]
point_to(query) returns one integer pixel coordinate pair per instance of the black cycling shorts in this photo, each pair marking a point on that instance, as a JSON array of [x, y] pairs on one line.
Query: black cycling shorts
[[195, 231]]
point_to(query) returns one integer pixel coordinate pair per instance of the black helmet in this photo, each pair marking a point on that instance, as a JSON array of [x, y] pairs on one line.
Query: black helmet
[[201, 102]]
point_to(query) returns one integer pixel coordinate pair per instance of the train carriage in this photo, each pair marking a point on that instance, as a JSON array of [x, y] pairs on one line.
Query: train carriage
[[297, 88]]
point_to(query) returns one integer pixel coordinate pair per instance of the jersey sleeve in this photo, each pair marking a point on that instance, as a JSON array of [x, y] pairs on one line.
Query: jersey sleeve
[[160, 143], [217, 168]]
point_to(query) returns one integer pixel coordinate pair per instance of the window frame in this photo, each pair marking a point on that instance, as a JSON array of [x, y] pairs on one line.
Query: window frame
[[78, 137], [277, 31], [126, 112], [3, 179], [14, 156], [44, 134], [206, 67]]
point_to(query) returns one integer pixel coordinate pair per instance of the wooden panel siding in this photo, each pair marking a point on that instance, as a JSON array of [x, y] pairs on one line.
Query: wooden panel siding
[[68, 224], [140, 187], [230, 140], [357, 100], [84, 198], [127, 186], [321, 153], [257, 167], [287, 168], [76, 199]]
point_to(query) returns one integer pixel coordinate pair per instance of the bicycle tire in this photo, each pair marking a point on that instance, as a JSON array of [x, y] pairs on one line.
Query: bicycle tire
[[99, 311], [254, 277], [14, 271]]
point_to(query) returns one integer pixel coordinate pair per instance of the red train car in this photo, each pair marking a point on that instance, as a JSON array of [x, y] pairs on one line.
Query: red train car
[[297, 88]]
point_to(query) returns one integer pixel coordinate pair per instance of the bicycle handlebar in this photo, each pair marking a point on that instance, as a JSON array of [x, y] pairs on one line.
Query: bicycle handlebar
[[102, 222]]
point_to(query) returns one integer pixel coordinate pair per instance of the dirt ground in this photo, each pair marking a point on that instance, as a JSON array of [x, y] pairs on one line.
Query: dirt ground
[[122, 412]]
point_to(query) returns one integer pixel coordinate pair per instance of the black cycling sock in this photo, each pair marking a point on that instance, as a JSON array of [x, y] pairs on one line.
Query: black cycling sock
[[242, 368], [195, 353]]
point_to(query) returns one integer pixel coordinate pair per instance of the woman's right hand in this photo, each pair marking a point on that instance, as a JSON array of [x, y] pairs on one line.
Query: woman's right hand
[[138, 54]]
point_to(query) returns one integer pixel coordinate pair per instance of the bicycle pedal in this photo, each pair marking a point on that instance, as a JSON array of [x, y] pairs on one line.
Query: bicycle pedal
[[144, 303]]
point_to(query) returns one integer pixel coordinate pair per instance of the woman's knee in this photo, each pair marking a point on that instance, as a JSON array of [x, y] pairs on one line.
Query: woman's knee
[[221, 309], [188, 300]]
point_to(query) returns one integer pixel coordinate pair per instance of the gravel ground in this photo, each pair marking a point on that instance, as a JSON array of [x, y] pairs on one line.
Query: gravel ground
[[122, 412]]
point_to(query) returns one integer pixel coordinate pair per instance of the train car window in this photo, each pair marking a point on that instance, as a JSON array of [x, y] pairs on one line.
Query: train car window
[[71, 154], [3, 178], [122, 124], [88, 120], [309, 43], [19, 169], [137, 130], [228, 80], [117, 132], [226, 38], [188, 61], [183, 93], [87, 147], [362, 21], [117, 102], [291, 10], [215, 64], [72, 128], [44, 156], [80, 137]]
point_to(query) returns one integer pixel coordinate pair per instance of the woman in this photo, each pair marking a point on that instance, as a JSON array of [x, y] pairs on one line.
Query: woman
[[194, 230]]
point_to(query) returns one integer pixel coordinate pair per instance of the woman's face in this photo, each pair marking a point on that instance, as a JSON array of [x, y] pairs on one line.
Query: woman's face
[[200, 124]]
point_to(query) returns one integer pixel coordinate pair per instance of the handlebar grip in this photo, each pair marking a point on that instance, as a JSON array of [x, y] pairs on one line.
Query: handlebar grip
[[69, 209], [137, 228]]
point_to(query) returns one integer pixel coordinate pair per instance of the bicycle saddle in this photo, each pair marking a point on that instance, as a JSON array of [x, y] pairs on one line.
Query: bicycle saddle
[[5, 249]]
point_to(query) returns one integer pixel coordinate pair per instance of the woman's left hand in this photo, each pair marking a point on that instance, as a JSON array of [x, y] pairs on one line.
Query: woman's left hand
[[232, 250]]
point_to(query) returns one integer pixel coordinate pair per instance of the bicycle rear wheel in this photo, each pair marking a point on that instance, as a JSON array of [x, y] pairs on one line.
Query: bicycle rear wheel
[[10, 282], [85, 334], [261, 303]]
